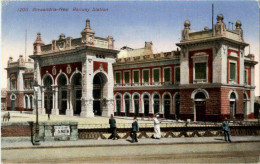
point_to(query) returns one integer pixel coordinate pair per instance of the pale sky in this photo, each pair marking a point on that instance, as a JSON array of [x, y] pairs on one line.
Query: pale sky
[[131, 23]]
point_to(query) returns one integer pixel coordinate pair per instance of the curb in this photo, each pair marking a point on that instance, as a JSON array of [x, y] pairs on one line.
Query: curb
[[128, 144]]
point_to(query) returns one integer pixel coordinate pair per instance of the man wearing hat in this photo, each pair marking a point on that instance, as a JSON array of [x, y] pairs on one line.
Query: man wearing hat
[[157, 130], [225, 126], [112, 123], [135, 129]]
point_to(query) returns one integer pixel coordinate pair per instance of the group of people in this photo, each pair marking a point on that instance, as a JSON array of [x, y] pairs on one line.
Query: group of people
[[135, 128], [157, 130]]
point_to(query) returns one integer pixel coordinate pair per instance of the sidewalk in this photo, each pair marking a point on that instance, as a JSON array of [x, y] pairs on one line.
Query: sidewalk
[[25, 142]]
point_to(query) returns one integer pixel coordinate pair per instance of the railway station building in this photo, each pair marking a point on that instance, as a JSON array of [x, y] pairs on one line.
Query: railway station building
[[208, 77]]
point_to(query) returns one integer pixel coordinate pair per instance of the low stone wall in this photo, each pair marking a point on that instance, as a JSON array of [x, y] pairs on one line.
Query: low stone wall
[[16, 129]]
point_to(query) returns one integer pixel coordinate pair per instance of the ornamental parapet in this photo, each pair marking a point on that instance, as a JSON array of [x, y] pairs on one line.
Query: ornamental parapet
[[152, 57]]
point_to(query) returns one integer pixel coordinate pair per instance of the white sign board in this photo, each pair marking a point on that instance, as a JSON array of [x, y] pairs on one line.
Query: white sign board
[[61, 130]]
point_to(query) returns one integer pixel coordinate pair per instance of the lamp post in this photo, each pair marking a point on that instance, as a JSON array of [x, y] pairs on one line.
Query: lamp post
[[36, 89]]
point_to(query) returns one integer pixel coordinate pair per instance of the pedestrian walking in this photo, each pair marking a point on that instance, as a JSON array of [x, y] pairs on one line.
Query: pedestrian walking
[[225, 126], [135, 129], [112, 123], [157, 130]]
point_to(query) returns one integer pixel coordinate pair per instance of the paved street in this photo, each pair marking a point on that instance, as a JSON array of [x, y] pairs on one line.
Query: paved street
[[222, 152], [177, 150]]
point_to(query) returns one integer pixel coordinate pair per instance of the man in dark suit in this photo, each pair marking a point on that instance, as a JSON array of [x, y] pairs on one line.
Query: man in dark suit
[[112, 123], [135, 129], [225, 126]]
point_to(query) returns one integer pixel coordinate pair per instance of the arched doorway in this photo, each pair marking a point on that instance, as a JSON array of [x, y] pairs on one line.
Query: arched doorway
[[76, 90], [63, 96], [156, 103], [232, 105], [127, 104], [136, 104], [99, 89], [177, 106], [48, 94], [167, 106], [146, 105], [13, 97], [200, 106], [118, 105]]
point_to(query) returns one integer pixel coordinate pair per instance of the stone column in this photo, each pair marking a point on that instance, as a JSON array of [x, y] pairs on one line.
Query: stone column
[[87, 88], [69, 111], [55, 110], [43, 107], [109, 108], [184, 65], [241, 67]]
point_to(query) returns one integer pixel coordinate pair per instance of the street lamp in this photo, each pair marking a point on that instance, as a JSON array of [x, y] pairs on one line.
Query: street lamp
[[36, 88]]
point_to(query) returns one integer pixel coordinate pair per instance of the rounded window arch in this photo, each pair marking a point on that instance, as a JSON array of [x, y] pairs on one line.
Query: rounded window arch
[[233, 108], [232, 95], [62, 80], [177, 98], [118, 104], [156, 103], [200, 95], [146, 104], [127, 104], [136, 103], [47, 81], [167, 105]]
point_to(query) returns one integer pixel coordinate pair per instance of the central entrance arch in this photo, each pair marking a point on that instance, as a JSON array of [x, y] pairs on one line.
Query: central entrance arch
[[99, 93]]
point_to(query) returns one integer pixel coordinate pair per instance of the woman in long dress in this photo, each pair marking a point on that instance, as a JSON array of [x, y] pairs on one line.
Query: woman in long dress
[[157, 130]]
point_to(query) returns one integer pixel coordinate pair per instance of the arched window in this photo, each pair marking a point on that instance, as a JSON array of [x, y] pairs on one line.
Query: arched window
[[127, 105], [62, 81], [167, 105], [118, 105], [156, 103], [177, 106], [232, 95], [232, 105], [136, 105], [146, 105], [200, 95]]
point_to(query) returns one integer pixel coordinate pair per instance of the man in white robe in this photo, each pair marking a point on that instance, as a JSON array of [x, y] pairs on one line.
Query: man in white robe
[[157, 130]]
